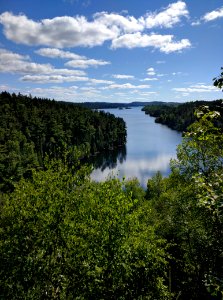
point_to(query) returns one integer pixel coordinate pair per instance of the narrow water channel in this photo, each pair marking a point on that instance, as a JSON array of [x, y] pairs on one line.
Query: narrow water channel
[[149, 148]]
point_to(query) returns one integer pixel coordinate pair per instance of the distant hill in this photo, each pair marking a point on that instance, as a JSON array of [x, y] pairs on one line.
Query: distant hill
[[104, 105]]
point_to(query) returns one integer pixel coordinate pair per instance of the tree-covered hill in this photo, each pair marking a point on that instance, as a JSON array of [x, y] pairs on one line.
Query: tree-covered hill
[[179, 116], [63, 236], [31, 128]]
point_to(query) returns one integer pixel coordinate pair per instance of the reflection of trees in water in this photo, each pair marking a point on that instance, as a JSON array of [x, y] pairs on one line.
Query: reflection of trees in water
[[109, 159]]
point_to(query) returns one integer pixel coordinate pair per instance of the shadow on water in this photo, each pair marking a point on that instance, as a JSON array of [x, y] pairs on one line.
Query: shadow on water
[[108, 159]]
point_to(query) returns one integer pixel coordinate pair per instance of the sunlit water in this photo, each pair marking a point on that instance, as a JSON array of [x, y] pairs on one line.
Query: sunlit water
[[149, 148]]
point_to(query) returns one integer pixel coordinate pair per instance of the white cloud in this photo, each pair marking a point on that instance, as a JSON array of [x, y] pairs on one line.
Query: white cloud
[[15, 63], [52, 78], [122, 31], [160, 62], [215, 14], [195, 23], [6, 87], [77, 61], [210, 16], [56, 92], [149, 79], [66, 72], [176, 46], [122, 76], [59, 32], [100, 81], [147, 93], [127, 86], [57, 53], [176, 73], [151, 72], [86, 63], [138, 40], [198, 88], [164, 43], [161, 75], [169, 17], [119, 23], [90, 89]]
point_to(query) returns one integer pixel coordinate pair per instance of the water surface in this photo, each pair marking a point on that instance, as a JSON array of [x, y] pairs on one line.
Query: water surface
[[149, 148]]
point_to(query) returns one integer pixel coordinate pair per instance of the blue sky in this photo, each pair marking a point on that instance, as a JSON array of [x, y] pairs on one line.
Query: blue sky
[[113, 50]]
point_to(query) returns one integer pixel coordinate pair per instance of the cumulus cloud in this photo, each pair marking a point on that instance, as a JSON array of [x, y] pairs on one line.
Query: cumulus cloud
[[210, 16], [119, 23], [169, 17], [77, 61], [15, 63], [66, 31], [176, 46], [11, 62], [215, 14], [59, 32], [122, 76], [57, 53], [164, 43], [198, 88], [86, 63]]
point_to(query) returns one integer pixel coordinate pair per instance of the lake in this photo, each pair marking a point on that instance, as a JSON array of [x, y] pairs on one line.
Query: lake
[[149, 148]]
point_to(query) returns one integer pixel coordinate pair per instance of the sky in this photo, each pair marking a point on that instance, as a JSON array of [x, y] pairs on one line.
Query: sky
[[113, 50]]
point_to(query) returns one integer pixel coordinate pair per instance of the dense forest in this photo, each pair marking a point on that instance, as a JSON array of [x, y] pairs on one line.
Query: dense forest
[[179, 116], [32, 128], [64, 236]]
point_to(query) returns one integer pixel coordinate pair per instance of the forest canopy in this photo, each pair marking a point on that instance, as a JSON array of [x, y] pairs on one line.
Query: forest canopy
[[33, 128]]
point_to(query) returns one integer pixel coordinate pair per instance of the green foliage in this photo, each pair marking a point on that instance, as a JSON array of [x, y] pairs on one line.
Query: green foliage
[[188, 205], [201, 149], [31, 128], [218, 81], [194, 237], [180, 116], [64, 237], [134, 190], [155, 186]]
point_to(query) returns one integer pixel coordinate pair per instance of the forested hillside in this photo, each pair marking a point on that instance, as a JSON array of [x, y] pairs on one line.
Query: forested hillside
[[31, 128], [63, 236], [179, 116]]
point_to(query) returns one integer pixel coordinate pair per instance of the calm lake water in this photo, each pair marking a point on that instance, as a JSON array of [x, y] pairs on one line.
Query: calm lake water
[[149, 148]]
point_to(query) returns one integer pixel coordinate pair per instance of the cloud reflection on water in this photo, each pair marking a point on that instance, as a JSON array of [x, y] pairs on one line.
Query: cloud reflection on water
[[143, 169]]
